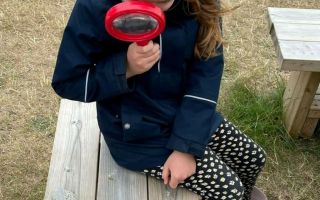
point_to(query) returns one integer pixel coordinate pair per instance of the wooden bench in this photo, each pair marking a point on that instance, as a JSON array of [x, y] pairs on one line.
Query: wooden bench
[[81, 166], [296, 36]]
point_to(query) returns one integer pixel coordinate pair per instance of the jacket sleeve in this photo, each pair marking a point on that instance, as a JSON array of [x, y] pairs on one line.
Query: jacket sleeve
[[88, 68], [193, 122]]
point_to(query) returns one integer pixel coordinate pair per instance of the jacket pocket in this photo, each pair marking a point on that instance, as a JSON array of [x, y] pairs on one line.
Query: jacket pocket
[[154, 120], [142, 130]]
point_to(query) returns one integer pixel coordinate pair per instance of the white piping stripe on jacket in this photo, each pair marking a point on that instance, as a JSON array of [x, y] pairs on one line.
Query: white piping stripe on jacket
[[200, 98], [160, 37], [86, 87]]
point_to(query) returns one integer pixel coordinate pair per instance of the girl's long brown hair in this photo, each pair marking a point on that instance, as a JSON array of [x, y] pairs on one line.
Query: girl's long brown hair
[[208, 13]]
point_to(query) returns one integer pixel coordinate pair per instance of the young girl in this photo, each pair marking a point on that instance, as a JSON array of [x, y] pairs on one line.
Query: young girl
[[156, 104]]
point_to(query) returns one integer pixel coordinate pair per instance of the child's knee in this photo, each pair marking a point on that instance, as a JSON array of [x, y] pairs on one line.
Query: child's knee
[[228, 187], [236, 189], [261, 157]]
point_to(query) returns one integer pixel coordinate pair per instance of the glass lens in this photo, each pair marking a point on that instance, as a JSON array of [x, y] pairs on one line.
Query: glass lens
[[135, 23]]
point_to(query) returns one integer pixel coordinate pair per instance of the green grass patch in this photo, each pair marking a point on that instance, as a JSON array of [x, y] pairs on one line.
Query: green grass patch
[[257, 112]]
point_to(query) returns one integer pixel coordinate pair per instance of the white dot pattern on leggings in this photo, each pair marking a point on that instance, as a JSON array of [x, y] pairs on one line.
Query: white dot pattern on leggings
[[228, 169]]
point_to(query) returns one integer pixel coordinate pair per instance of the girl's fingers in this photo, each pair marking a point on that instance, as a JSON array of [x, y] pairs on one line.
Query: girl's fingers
[[141, 62], [144, 49], [173, 182], [152, 59], [148, 51], [165, 175]]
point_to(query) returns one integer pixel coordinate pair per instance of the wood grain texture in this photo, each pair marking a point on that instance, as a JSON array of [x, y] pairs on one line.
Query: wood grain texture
[[309, 127], [117, 183], [296, 37], [315, 106], [73, 166], [293, 15], [158, 191], [299, 94], [297, 55], [295, 34]]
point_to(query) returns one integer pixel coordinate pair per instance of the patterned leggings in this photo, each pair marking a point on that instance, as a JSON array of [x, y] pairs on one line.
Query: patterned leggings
[[229, 168]]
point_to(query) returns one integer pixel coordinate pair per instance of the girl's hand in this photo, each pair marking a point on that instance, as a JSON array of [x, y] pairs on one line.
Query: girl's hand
[[141, 58], [177, 168]]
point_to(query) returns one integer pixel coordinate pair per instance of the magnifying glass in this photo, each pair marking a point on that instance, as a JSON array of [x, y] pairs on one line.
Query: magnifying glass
[[135, 21]]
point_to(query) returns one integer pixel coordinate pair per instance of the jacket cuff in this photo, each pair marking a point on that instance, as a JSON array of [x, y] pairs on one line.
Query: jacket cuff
[[186, 146]]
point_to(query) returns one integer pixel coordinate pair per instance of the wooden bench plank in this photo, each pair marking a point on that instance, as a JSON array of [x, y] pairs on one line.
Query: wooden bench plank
[[309, 33], [159, 191], [297, 55], [293, 15], [315, 106], [298, 49], [117, 183], [301, 50], [73, 166]]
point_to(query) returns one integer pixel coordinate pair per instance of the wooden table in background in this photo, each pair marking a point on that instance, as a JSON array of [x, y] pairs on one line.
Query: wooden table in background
[[296, 37]]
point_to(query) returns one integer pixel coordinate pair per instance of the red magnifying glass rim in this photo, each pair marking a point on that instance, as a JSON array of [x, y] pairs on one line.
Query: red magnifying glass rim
[[135, 7]]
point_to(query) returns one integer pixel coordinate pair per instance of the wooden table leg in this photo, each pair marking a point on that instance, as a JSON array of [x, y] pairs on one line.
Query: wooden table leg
[[298, 97]]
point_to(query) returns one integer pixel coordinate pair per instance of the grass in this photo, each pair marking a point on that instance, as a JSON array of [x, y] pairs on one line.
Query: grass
[[252, 98], [255, 111], [30, 33], [292, 170]]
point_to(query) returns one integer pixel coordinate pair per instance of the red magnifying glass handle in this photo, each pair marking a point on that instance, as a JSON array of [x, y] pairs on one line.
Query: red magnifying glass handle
[[143, 43]]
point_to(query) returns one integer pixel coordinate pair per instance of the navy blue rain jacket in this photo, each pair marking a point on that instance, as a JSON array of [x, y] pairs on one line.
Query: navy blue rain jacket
[[143, 119]]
